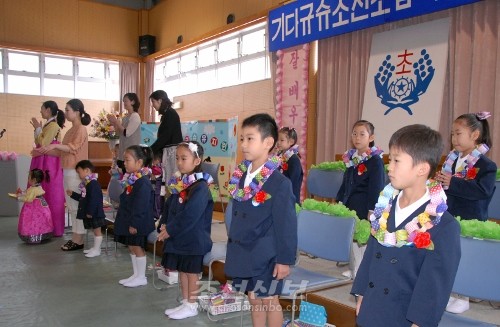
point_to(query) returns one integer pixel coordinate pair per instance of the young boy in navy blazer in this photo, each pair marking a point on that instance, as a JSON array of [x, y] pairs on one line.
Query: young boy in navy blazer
[[408, 270], [262, 239], [90, 207]]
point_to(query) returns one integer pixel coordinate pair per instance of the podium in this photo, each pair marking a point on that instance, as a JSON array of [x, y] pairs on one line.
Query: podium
[[14, 175]]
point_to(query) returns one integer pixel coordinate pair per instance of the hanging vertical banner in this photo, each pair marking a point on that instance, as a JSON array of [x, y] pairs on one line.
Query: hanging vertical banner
[[292, 84], [406, 77]]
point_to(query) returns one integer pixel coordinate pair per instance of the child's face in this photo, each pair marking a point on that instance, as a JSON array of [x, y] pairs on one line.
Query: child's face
[[284, 142], [82, 173], [131, 163], [361, 138], [402, 172], [116, 151], [255, 148], [462, 138], [186, 160]]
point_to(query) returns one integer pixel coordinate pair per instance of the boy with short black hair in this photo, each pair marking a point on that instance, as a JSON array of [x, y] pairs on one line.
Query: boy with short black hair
[[408, 270], [90, 206], [262, 239]]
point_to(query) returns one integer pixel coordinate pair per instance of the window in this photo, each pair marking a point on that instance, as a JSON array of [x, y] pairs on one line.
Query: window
[[24, 62], [91, 69], [59, 66], [34, 73], [237, 58]]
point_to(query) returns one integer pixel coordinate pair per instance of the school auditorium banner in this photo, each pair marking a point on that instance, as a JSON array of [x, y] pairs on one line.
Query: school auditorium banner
[[292, 84], [304, 21], [405, 79]]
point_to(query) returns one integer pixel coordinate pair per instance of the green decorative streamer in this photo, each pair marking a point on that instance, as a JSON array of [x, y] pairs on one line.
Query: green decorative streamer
[[333, 165], [487, 230]]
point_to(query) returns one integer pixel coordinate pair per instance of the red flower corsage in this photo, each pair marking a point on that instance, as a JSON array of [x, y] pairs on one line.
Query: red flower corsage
[[284, 166], [128, 189], [422, 240], [182, 196], [471, 173], [361, 169], [260, 197]]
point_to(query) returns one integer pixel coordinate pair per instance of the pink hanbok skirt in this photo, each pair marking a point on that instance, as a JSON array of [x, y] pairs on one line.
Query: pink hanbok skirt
[[35, 221]]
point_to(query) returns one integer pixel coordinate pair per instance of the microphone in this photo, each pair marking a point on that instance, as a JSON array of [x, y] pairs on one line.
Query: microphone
[[1, 132]]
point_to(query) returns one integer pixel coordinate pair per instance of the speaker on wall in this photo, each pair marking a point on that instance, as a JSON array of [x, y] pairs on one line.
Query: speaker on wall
[[146, 45]]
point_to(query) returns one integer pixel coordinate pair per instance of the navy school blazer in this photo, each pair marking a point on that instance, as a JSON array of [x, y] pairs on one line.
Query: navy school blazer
[[360, 192], [265, 234], [91, 204], [189, 223], [136, 209], [406, 285], [469, 199], [295, 174]]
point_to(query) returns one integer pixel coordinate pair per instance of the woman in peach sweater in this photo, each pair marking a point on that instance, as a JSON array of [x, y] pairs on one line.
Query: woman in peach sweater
[[74, 147]]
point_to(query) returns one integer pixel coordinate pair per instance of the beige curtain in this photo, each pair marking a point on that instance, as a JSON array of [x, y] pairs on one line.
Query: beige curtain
[[472, 79], [149, 115], [129, 79]]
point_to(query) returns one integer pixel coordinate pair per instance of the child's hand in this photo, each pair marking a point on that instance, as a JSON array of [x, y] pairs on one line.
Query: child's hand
[[281, 271], [132, 230], [444, 179], [358, 304], [89, 216], [163, 235], [69, 192]]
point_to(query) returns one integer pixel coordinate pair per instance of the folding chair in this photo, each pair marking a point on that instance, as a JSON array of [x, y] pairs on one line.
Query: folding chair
[[213, 170], [482, 256], [494, 206], [324, 236], [324, 183], [115, 189], [219, 249]]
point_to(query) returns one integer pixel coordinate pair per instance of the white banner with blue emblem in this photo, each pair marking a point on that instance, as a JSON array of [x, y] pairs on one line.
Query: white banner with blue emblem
[[406, 76]]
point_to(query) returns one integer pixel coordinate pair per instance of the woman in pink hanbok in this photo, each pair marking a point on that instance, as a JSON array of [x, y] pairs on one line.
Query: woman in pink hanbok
[[50, 133], [35, 220]]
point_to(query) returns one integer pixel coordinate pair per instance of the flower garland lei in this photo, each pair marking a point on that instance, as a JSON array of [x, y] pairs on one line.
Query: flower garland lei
[[178, 185], [414, 232], [285, 156], [254, 189], [467, 165], [129, 179], [349, 161], [86, 180]]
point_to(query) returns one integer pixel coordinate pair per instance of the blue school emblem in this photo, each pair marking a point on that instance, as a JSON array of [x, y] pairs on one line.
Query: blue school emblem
[[401, 85]]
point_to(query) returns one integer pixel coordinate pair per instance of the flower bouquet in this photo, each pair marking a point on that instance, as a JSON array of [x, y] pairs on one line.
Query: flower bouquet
[[101, 127]]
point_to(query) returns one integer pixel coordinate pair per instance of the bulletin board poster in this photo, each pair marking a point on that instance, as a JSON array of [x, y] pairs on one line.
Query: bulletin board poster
[[218, 138]]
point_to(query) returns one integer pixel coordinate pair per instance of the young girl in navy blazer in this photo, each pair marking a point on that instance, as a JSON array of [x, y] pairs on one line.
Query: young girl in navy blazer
[[364, 176], [134, 220], [90, 207], [468, 176], [290, 159], [363, 180], [186, 224], [262, 239]]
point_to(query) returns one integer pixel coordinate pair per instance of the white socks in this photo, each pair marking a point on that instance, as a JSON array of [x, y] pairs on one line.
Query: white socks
[[94, 251], [134, 266], [187, 310], [140, 278]]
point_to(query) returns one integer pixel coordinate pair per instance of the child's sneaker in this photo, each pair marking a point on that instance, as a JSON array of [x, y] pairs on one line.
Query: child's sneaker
[[187, 310], [168, 312], [458, 306]]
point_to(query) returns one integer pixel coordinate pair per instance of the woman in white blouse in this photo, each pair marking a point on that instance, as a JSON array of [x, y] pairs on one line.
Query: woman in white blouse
[[129, 128]]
